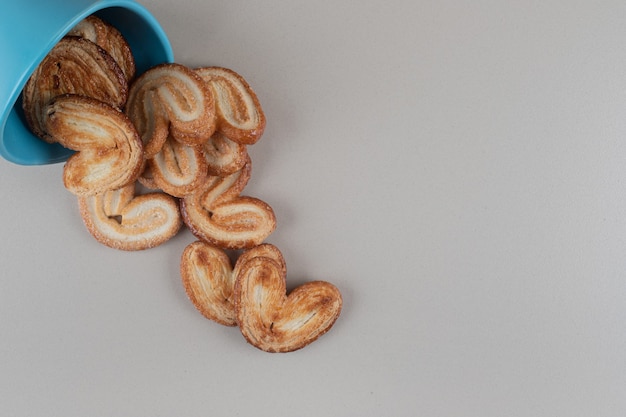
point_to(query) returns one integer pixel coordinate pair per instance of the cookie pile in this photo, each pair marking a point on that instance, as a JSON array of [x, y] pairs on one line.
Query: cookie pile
[[168, 148]]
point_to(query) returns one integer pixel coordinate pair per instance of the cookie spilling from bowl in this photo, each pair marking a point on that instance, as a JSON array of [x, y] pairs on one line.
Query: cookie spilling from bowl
[[167, 149]]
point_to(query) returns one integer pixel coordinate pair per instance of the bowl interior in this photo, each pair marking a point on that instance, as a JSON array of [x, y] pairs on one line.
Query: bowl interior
[[150, 47]]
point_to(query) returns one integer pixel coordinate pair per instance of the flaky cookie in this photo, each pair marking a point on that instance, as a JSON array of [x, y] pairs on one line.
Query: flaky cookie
[[177, 169], [171, 99], [147, 179], [121, 220], [217, 214], [108, 38], [209, 278], [223, 155], [75, 65], [273, 321], [109, 151], [239, 113]]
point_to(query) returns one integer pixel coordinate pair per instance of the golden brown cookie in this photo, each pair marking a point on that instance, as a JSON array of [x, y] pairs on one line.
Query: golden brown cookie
[[265, 250], [121, 220], [147, 179], [217, 214], [109, 151], [239, 113], [171, 98], [78, 66], [108, 38], [224, 156], [209, 278], [273, 321], [177, 169]]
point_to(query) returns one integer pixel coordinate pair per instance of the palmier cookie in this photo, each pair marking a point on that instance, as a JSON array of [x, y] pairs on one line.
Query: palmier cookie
[[217, 214], [109, 151], [108, 38], [239, 113], [177, 169], [121, 220], [273, 321], [223, 155], [146, 178], [75, 65], [171, 97], [209, 279]]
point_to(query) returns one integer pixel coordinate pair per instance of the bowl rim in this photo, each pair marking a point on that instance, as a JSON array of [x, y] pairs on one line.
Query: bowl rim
[[8, 105]]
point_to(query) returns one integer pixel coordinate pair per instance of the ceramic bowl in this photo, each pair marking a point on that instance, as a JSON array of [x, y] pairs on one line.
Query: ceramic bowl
[[29, 29]]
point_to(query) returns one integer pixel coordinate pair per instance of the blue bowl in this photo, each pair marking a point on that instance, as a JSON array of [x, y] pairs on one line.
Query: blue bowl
[[29, 29]]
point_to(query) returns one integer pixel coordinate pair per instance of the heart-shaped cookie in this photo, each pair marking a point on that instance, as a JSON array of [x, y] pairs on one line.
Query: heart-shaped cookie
[[238, 111], [74, 66], [171, 97], [177, 169], [209, 279], [109, 151], [223, 155], [217, 214], [108, 38], [121, 220], [273, 321]]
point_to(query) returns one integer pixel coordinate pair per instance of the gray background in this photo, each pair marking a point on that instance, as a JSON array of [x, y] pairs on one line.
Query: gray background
[[456, 168]]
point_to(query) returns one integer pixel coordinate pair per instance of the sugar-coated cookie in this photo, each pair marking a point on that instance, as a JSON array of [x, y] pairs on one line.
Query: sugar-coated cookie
[[177, 169], [78, 66], [109, 151], [209, 278], [238, 110], [272, 320], [171, 99], [223, 155], [108, 38], [122, 220], [217, 214]]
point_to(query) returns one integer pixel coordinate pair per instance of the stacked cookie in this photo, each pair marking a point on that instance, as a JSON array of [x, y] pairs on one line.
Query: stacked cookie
[[165, 149]]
